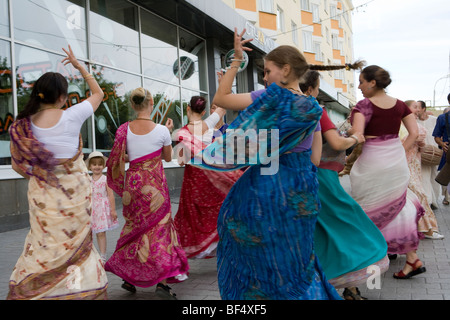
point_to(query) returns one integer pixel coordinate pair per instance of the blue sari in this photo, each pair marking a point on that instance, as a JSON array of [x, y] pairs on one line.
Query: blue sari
[[266, 223]]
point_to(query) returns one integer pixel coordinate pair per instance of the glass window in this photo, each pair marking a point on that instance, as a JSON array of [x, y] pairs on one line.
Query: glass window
[[115, 109], [6, 101], [4, 18], [193, 62], [294, 32], [32, 64], [51, 24], [159, 48], [167, 104], [307, 41], [114, 35], [266, 5]]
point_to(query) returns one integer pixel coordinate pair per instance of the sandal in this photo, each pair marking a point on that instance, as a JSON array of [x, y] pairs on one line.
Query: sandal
[[129, 287], [165, 292], [350, 295], [415, 271], [445, 202]]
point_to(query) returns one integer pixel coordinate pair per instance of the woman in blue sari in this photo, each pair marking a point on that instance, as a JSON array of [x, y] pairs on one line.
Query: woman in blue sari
[[266, 223]]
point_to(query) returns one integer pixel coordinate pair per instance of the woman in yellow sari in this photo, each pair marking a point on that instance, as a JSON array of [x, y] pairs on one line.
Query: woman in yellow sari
[[59, 261]]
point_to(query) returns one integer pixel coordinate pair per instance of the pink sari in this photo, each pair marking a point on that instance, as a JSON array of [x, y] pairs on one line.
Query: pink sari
[[202, 194], [148, 250]]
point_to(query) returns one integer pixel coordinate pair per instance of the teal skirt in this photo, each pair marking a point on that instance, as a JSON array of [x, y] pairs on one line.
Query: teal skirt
[[346, 240]]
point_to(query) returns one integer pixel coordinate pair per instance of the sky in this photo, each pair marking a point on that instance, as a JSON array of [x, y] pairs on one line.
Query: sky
[[411, 40]]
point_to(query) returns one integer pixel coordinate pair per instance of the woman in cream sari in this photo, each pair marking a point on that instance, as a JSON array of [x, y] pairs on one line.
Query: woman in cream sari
[[59, 260], [380, 177]]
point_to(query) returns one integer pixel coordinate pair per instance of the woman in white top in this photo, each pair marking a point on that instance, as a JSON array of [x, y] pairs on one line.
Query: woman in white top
[[148, 251], [59, 260], [203, 191]]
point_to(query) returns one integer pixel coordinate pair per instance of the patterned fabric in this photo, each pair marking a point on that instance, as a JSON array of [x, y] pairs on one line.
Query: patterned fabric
[[428, 221], [379, 181], [59, 260], [30, 155], [148, 250], [101, 209], [266, 223], [202, 195]]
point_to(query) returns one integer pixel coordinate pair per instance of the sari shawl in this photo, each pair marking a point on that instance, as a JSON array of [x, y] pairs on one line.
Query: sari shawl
[[59, 261], [379, 182], [148, 250], [266, 223], [202, 195]]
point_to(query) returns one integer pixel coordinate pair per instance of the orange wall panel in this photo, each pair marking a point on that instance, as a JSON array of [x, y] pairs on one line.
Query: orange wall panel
[[268, 20], [317, 30], [307, 17], [249, 5], [334, 24]]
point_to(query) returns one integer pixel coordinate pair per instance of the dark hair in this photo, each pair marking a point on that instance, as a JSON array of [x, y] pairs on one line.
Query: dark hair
[[448, 98], [197, 104], [423, 105], [47, 89], [381, 76], [310, 79], [290, 55]]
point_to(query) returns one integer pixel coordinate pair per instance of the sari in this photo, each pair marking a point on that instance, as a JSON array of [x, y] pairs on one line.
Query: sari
[[428, 221], [348, 243], [202, 195], [148, 250], [59, 260], [266, 223], [379, 181]]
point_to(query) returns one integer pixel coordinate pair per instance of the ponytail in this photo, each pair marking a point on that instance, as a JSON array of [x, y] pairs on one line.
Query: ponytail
[[357, 65]]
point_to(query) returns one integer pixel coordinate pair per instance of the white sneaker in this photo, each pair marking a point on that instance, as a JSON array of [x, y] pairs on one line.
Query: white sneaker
[[435, 236]]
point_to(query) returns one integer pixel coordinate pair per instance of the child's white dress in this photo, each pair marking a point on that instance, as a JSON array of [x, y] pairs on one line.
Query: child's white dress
[[101, 219]]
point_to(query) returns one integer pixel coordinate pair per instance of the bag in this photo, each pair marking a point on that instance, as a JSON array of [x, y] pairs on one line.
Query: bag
[[431, 155]]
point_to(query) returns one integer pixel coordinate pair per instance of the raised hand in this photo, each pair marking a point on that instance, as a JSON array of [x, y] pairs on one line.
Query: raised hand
[[71, 58], [239, 44]]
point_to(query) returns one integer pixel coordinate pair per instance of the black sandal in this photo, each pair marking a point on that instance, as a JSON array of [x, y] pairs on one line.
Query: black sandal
[[350, 295], [165, 292], [128, 286]]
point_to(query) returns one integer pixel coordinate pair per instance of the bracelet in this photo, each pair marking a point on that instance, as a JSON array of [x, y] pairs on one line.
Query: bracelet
[[88, 76], [354, 137], [240, 60], [237, 67]]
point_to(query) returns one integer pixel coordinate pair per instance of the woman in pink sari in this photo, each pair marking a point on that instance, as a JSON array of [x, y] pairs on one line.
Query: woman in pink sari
[[148, 251], [203, 191]]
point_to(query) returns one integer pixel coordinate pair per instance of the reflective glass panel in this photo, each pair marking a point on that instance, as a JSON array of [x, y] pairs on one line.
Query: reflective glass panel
[[114, 35], [4, 18], [159, 48], [166, 100], [32, 64], [51, 24], [115, 109], [6, 101], [193, 72]]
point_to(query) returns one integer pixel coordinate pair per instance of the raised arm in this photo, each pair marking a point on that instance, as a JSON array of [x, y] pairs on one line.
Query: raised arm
[[96, 92], [224, 97]]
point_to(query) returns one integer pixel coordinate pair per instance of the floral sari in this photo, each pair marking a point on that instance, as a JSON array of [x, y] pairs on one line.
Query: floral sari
[[59, 261], [202, 195], [148, 250]]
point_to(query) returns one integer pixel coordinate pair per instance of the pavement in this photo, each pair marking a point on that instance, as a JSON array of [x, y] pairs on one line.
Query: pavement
[[202, 283]]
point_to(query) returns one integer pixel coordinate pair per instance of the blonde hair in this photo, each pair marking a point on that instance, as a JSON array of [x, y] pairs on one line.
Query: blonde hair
[[140, 97]]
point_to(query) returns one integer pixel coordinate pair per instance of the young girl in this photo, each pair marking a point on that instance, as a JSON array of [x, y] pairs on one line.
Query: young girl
[[104, 215]]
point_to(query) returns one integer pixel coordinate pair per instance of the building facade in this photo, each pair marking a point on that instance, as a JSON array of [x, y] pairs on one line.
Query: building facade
[[322, 30], [174, 48]]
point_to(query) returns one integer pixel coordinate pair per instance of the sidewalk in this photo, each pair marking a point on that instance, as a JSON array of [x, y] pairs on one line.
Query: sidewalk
[[202, 282]]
